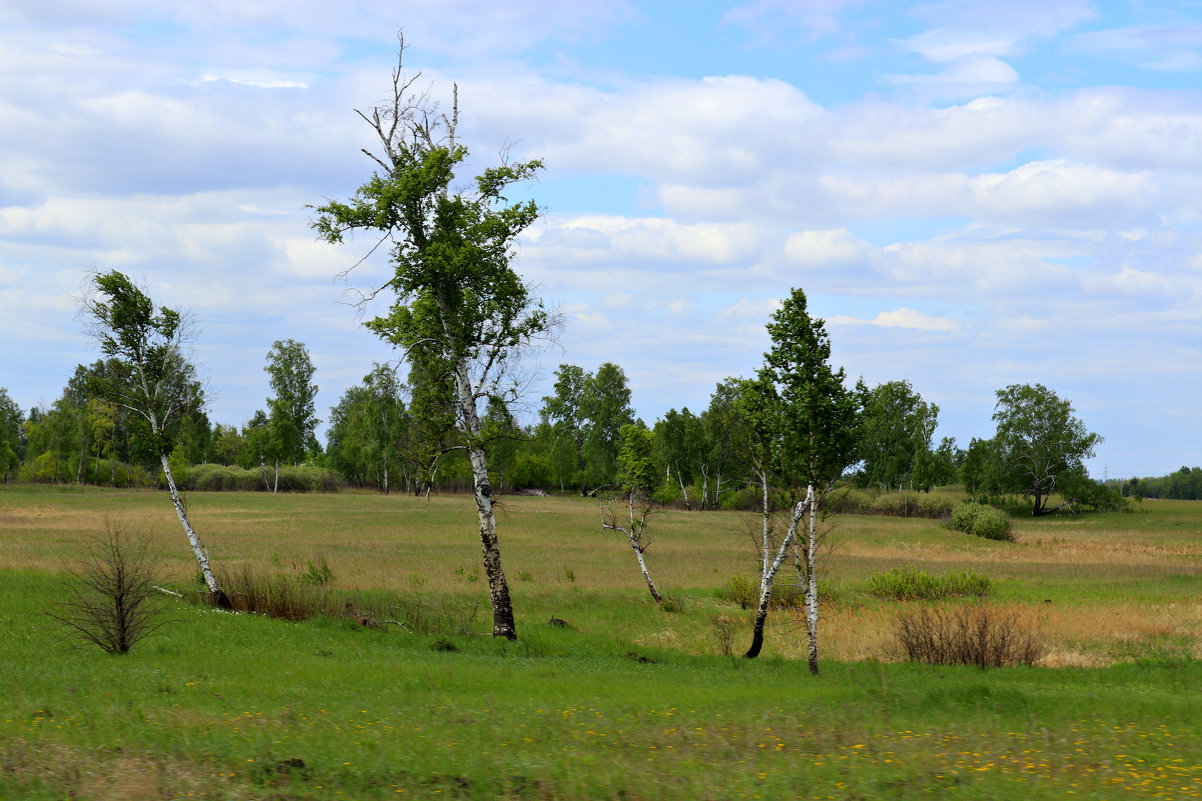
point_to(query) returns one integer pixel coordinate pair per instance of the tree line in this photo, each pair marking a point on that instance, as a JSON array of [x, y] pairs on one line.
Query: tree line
[[394, 433]]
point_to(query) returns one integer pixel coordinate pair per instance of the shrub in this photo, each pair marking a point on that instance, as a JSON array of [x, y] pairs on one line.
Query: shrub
[[848, 501], [934, 506], [725, 628], [740, 590], [982, 521], [895, 504], [745, 592], [211, 478], [970, 635], [300, 478], [911, 584], [112, 597], [742, 500]]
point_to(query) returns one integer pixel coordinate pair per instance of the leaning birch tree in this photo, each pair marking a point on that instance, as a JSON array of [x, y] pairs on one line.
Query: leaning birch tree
[[638, 474], [149, 377], [458, 301]]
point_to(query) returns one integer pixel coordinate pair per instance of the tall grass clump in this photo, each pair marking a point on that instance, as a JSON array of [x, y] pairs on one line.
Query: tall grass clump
[[969, 635], [288, 596], [982, 521], [912, 584]]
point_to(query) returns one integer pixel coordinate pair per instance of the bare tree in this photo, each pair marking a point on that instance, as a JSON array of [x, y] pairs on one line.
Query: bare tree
[[635, 532], [112, 595]]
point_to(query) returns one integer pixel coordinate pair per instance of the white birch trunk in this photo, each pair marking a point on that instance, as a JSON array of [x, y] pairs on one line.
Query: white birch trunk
[[498, 587], [202, 555], [635, 536], [771, 565], [684, 492], [812, 586]]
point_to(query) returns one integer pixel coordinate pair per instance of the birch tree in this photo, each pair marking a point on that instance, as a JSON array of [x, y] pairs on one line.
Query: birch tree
[[565, 410], [817, 427], [150, 378], [639, 474], [293, 410], [800, 429], [1040, 441], [457, 300]]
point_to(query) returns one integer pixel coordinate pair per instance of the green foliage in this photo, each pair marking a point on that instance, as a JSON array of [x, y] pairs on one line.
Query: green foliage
[[369, 433], [895, 438], [1183, 485], [638, 470], [292, 416], [220, 478], [740, 589], [982, 520], [147, 374], [935, 506], [11, 421], [1039, 440], [1080, 491], [912, 584], [813, 417]]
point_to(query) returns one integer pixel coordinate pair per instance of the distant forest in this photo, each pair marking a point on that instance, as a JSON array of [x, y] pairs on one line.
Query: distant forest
[[1184, 485]]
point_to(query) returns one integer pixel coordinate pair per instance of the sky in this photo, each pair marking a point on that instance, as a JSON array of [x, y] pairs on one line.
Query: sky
[[971, 194]]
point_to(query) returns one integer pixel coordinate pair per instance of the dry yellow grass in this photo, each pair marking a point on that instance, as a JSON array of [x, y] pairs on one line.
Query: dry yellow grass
[[1113, 584]]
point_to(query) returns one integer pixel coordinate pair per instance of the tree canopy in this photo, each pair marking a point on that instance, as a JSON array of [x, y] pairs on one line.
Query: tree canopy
[[1039, 441]]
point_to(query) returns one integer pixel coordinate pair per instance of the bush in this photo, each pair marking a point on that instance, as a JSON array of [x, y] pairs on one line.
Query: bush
[[745, 591], [982, 521], [848, 501], [895, 504], [742, 500], [934, 506], [219, 478], [970, 635], [740, 590], [112, 597], [911, 584]]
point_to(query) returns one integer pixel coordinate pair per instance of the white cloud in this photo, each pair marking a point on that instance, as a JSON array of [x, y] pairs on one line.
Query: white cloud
[[975, 73], [903, 318], [827, 248], [1164, 48]]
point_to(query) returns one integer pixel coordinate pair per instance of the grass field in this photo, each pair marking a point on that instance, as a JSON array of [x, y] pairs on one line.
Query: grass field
[[629, 702]]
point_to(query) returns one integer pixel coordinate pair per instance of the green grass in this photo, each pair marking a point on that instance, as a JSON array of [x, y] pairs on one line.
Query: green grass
[[629, 702]]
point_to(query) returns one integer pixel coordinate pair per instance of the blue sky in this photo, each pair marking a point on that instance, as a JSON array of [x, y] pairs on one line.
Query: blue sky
[[971, 194]]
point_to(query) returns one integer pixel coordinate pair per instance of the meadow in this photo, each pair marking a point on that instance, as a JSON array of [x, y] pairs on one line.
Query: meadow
[[626, 701]]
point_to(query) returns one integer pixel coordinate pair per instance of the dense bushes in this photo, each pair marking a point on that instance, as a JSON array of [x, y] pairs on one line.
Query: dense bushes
[[982, 521], [911, 584], [847, 500], [219, 478]]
